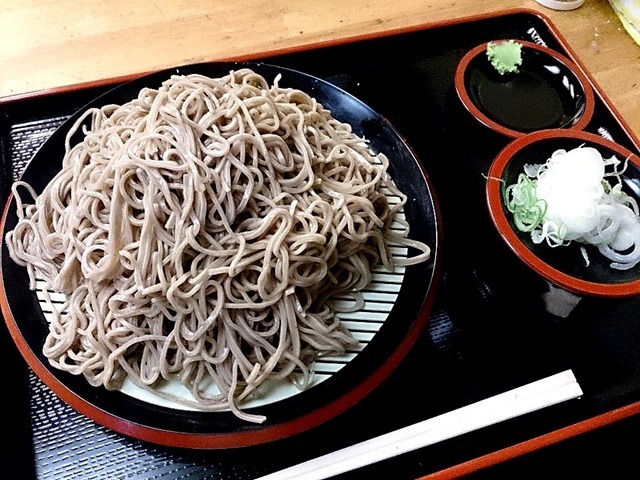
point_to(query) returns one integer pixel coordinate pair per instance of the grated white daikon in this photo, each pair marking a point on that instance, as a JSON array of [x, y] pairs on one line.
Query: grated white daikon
[[571, 199]]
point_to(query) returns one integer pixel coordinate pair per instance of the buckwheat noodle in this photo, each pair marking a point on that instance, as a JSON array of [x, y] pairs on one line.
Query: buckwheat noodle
[[200, 230]]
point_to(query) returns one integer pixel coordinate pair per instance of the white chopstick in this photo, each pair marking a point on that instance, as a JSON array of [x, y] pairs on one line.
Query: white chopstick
[[519, 401]]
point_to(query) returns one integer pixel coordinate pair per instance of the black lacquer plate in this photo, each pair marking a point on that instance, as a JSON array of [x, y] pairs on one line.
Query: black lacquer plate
[[172, 427]]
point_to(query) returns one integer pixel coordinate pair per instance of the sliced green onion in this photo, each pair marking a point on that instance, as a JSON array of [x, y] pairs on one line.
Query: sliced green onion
[[521, 200]]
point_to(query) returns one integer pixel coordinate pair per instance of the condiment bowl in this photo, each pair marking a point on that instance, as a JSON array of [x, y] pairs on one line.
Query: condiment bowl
[[577, 267], [548, 91]]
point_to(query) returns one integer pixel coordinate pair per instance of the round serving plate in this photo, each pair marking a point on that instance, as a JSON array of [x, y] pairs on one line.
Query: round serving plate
[[397, 304]]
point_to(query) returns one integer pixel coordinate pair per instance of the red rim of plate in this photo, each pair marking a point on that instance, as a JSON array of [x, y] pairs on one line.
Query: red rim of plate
[[499, 218], [471, 107]]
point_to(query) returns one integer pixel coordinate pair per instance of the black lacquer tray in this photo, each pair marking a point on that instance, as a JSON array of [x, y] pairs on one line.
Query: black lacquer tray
[[488, 332]]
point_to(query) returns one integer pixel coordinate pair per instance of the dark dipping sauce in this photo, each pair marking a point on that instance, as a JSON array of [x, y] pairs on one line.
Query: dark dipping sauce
[[543, 94]]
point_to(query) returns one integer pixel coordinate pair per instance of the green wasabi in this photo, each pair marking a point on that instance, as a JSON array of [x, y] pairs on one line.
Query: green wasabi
[[505, 56]]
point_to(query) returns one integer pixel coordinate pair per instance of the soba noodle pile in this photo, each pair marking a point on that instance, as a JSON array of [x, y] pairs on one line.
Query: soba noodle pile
[[198, 232]]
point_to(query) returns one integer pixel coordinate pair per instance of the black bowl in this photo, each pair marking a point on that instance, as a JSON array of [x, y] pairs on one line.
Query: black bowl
[[563, 266], [549, 91]]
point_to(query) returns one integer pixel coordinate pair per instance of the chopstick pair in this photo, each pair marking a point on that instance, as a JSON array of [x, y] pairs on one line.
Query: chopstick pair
[[542, 393]]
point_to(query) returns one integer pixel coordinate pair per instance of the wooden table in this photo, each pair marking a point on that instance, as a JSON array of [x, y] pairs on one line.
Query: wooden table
[[52, 43]]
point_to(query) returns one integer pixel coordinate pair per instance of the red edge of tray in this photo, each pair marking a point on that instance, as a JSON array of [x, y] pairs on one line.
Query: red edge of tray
[[494, 202], [534, 444], [481, 461]]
